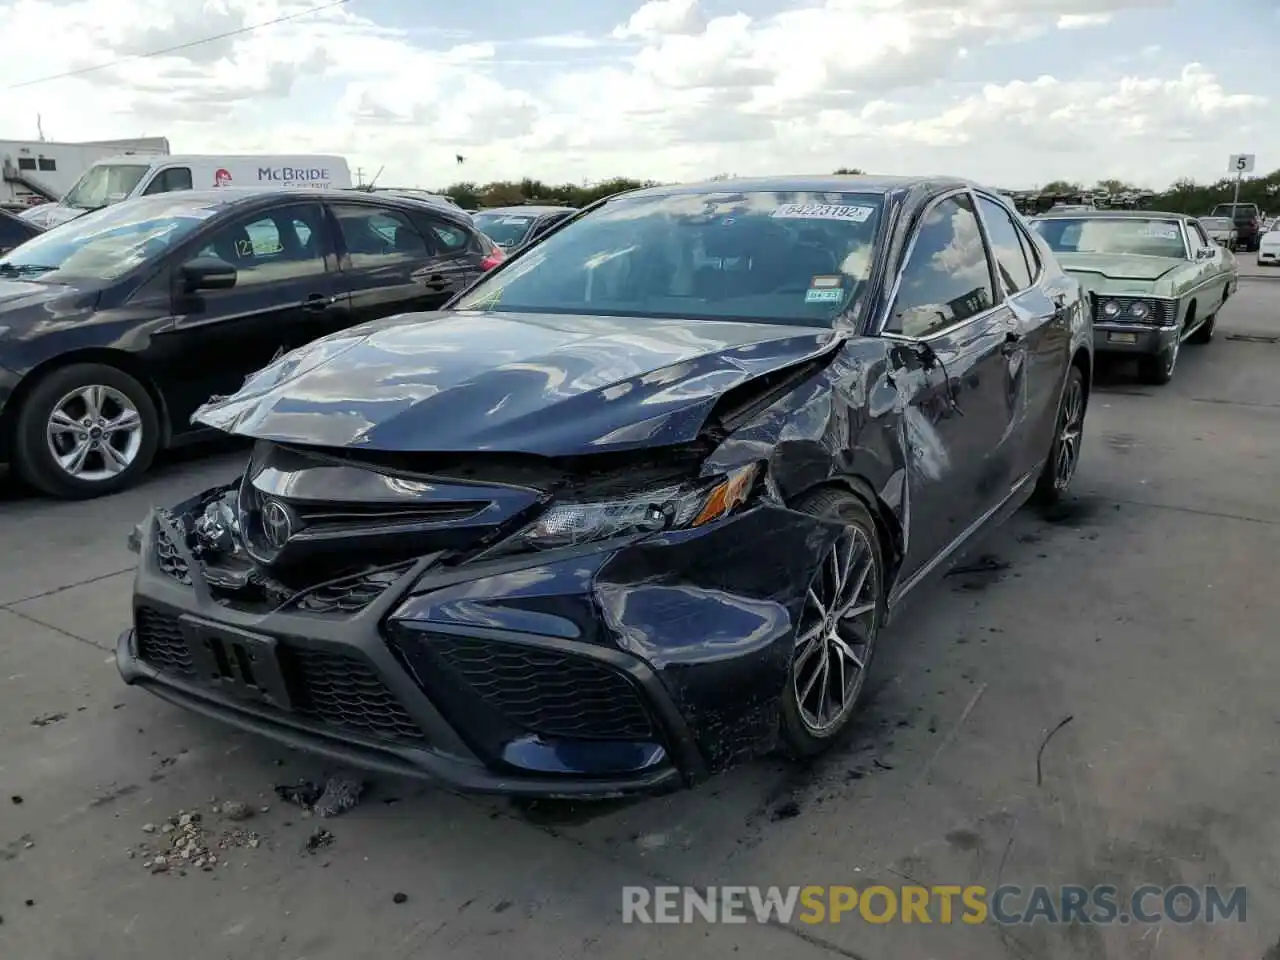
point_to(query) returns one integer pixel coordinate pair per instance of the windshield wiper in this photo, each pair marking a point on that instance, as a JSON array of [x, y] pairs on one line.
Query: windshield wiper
[[23, 269]]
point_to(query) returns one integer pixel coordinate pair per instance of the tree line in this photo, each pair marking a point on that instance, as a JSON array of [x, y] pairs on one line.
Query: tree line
[[1183, 196]]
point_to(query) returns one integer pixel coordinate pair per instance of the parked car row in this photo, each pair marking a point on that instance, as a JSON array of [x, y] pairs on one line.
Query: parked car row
[[630, 509], [116, 326]]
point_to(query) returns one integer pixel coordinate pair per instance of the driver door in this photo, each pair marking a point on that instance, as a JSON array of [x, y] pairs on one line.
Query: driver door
[[960, 363]]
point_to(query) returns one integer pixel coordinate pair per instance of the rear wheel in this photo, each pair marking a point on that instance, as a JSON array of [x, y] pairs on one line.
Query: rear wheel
[[837, 630], [86, 430]]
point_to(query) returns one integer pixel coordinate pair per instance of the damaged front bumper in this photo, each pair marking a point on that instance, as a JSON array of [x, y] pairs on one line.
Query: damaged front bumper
[[630, 666]]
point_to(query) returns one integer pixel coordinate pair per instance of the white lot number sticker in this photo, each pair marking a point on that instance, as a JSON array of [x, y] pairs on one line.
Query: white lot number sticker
[[516, 221], [1162, 231], [823, 211]]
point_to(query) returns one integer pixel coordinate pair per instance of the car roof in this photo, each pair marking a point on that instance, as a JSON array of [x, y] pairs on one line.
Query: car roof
[[1111, 215], [534, 209], [834, 183], [232, 197]]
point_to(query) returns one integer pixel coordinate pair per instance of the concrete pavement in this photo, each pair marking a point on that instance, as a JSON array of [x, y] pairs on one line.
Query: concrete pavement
[[1144, 610]]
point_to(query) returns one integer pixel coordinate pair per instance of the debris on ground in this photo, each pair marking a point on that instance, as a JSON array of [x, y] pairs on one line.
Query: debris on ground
[[786, 811], [319, 840], [235, 810], [187, 843], [336, 797], [302, 794], [399, 898], [340, 795], [47, 719]]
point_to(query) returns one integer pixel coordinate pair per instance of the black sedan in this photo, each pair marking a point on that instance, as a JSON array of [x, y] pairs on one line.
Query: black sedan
[[14, 231], [115, 327], [514, 227], [636, 506]]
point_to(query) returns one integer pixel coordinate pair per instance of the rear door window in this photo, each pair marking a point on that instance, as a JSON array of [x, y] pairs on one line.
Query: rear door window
[[379, 236]]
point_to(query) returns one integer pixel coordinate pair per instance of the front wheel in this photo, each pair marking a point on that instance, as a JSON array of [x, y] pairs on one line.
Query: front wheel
[[1064, 456], [86, 430], [836, 634], [1158, 368]]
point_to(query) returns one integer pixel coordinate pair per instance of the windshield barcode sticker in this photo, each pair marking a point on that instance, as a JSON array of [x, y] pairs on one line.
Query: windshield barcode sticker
[[823, 211], [1162, 231]]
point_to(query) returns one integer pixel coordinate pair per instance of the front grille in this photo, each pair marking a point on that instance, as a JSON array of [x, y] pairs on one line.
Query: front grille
[[343, 691], [334, 689], [168, 558], [160, 642], [549, 693], [1162, 311]]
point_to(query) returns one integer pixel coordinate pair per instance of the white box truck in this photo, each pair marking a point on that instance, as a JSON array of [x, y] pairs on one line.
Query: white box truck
[[118, 178]]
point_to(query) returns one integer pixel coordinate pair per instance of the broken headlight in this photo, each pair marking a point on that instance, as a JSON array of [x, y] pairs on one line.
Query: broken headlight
[[680, 507]]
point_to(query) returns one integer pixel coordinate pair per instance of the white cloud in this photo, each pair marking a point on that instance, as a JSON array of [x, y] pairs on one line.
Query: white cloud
[[659, 18], [670, 93], [1076, 21]]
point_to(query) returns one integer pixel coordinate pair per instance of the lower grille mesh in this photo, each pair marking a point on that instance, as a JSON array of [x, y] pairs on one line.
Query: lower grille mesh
[[334, 689], [547, 692], [160, 642], [342, 691]]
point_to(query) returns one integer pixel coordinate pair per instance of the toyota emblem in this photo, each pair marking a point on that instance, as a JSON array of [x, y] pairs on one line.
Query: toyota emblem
[[277, 525]]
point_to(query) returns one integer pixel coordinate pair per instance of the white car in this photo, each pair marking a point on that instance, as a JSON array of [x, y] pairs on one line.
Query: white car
[[1269, 249]]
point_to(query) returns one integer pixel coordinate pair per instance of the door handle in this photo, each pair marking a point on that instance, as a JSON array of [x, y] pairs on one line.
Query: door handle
[[435, 282], [318, 303], [1011, 340]]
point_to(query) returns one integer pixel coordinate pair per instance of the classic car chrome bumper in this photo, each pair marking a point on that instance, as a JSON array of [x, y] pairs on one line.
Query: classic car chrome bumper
[[1132, 338]]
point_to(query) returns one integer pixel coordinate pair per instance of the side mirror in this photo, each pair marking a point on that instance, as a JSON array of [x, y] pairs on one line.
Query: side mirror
[[206, 273]]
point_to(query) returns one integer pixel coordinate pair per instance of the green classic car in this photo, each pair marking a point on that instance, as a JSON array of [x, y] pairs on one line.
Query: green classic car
[[1154, 279]]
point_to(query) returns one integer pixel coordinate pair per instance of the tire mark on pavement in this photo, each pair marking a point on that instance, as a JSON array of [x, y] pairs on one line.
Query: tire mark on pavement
[[1218, 514]]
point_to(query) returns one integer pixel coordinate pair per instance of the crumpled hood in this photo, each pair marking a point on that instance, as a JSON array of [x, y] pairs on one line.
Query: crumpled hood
[[1118, 266], [517, 383]]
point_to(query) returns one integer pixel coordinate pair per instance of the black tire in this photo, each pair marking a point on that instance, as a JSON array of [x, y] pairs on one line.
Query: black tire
[[1204, 333], [1157, 369], [35, 460], [1052, 484], [799, 736]]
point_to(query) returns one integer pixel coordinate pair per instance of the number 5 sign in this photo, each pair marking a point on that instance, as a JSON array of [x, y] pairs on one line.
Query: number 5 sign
[[1240, 163]]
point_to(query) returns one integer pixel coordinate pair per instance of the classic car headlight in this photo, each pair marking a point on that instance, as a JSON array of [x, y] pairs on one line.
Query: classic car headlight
[[1139, 310], [678, 507], [1111, 309]]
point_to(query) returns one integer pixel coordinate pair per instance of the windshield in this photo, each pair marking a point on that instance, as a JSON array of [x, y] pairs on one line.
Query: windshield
[[1235, 210], [105, 244], [1123, 235], [774, 257], [104, 183], [504, 229]]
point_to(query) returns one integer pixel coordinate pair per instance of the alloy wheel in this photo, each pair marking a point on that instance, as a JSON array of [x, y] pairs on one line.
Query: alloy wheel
[[837, 633], [94, 433], [1070, 431]]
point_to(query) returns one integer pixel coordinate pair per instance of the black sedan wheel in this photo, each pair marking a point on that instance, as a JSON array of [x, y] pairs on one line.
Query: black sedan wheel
[[836, 634], [1064, 456], [86, 430]]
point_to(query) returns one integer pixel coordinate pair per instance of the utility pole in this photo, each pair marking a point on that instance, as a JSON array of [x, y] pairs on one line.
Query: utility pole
[[359, 176]]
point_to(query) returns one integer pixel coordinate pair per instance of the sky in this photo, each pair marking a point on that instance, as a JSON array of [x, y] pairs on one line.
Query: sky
[[1013, 93]]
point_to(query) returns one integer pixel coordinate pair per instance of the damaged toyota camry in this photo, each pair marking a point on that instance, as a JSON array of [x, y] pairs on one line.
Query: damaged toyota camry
[[637, 505]]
